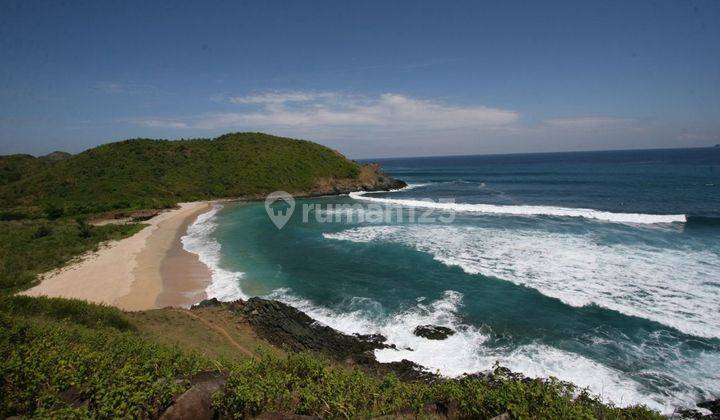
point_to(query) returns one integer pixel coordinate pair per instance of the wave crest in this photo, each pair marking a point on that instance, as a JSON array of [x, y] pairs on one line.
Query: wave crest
[[527, 210]]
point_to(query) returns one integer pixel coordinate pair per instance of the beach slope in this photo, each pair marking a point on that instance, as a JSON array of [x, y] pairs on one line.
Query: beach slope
[[132, 274]]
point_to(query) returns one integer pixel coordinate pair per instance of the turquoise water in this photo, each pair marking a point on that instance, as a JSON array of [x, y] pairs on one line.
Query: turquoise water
[[600, 268]]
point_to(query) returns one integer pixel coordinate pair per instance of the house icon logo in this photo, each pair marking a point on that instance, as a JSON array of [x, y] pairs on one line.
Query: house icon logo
[[279, 206]]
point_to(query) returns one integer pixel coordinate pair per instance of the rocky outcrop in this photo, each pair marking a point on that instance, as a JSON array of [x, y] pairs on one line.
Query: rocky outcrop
[[370, 178], [196, 402], [286, 327], [433, 332]]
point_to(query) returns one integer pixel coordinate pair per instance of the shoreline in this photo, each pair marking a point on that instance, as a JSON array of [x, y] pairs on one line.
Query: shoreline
[[148, 270], [151, 269]]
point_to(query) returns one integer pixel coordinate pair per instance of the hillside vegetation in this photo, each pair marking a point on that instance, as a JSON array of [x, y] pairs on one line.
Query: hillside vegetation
[[31, 247], [146, 173], [64, 358]]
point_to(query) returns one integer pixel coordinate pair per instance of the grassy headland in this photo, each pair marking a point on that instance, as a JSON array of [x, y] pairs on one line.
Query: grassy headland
[[144, 173]]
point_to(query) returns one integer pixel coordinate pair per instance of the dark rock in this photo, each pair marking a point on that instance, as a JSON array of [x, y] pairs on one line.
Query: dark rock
[[712, 405], [285, 326], [208, 303], [407, 371], [433, 332], [369, 178], [196, 402], [448, 409], [688, 413], [73, 397], [376, 338]]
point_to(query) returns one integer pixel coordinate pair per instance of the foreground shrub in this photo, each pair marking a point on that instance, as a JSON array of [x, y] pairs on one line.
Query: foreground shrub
[[108, 373], [305, 384]]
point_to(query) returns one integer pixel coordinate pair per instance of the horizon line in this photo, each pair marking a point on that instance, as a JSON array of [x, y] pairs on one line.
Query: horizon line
[[538, 153]]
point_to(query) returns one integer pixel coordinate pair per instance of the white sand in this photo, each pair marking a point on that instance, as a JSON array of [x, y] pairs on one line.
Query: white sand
[[127, 273]]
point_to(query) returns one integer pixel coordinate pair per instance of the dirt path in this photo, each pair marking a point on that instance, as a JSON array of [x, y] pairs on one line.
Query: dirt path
[[218, 329]]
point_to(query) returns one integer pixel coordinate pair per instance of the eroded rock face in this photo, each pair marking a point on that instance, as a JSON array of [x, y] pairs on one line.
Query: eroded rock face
[[285, 326], [433, 332], [370, 178]]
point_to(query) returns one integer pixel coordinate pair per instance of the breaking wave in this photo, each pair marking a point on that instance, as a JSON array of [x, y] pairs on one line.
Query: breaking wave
[[225, 284], [669, 286], [527, 210]]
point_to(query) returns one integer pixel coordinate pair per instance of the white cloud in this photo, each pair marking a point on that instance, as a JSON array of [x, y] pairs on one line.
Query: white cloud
[[281, 98], [160, 123], [393, 124], [321, 110]]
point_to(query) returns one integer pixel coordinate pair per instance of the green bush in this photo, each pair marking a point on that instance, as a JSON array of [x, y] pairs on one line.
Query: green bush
[[111, 373], [68, 310], [30, 247], [306, 384]]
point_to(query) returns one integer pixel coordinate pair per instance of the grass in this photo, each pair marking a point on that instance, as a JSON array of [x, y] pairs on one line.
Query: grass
[[31, 247], [55, 369], [198, 332], [65, 310]]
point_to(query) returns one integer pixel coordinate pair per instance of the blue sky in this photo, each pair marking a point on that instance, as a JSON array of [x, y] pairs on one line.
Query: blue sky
[[372, 79]]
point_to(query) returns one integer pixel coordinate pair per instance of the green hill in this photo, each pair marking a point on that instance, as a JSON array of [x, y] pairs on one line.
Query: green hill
[[145, 173], [16, 167], [13, 168]]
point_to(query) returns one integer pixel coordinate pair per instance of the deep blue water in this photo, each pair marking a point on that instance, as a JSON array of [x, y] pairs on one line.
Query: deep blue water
[[620, 296]]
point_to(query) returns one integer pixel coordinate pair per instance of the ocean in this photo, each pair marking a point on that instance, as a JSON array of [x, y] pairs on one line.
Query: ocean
[[601, 268]]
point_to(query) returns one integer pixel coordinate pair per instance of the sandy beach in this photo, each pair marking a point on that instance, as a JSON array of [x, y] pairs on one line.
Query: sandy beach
[[145, 271]]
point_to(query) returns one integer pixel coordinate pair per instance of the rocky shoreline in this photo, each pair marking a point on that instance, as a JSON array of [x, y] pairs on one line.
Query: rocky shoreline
[[290, 329]]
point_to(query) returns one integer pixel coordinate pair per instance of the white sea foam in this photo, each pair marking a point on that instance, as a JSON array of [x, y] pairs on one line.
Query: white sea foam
[[466, 352], [523, 210], [225, 284], [405, 188], [670, 286]]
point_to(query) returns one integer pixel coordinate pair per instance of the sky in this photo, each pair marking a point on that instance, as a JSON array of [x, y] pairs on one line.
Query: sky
[[369, 78]]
